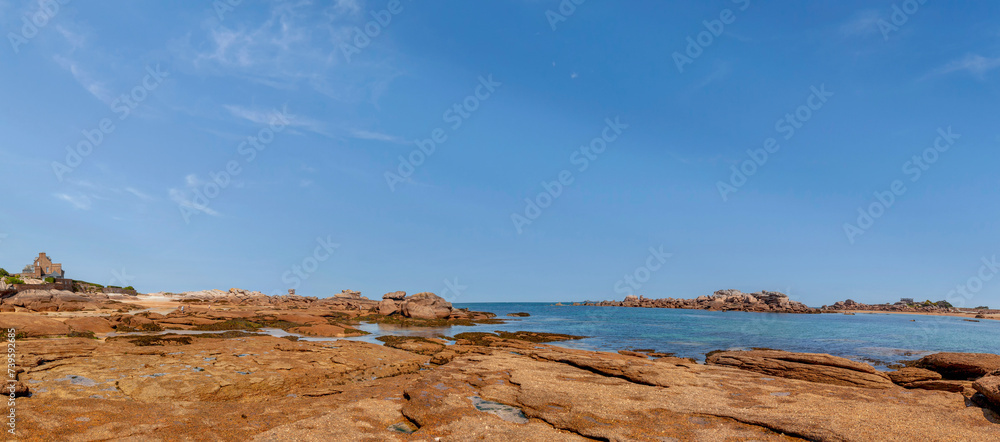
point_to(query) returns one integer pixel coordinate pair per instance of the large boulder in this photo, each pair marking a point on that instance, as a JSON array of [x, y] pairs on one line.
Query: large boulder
[[961, 366], [395, 296], [426, 306], [388, 307], [348, 294], [989, 386], [813, 367], [32, 325]]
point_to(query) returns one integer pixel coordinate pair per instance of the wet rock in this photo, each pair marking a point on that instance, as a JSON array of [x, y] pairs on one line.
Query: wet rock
[[960, 366], [301, 318], [326, 330], [811, 367], [414, 344]]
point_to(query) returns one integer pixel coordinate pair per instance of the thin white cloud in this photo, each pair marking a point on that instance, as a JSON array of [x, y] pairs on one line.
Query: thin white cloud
[[973, 63], [79, 201], [76, 40], [96, 88], [182, 196], [863, 23], [347, 6], [138, 194], [377, 136]]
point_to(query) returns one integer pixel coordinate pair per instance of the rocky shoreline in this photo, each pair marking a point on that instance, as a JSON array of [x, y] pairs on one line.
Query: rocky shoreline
[[99, 372], [852, 306], [722, 300]]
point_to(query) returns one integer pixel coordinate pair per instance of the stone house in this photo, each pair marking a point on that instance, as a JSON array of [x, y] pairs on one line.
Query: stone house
[[43, 267]]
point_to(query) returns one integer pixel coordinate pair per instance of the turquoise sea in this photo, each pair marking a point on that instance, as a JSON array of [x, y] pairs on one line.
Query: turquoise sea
[[879, 339]]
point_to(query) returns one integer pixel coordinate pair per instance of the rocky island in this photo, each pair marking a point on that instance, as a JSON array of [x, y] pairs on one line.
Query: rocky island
[[722, 300]]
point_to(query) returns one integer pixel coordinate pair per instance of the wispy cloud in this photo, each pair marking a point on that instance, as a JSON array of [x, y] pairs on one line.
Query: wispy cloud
[[863, 23], [266, 116], [975, 64], [78, 200], [377, 136], [95, 87], [139, 194], [182, 196]]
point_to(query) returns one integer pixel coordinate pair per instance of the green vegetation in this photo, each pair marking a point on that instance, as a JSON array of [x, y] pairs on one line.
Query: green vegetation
[[13, 280], [152, 326], [227, 335], [484, 339], [232, 324], [3, 272], [147, 341], [414, 322], [254, 324], [982, 307], [50, 280], [80, 334]]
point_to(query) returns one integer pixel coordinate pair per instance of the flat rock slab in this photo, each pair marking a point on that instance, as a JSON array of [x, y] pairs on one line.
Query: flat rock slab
[[32, 325], [811, 367], [913, 374]]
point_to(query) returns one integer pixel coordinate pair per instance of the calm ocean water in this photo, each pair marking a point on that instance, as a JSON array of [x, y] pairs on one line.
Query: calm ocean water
[[692, 333]]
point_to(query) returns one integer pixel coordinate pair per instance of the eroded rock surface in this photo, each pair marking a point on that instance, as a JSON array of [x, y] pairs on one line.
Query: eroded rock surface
[[961, 366], [812, 367]]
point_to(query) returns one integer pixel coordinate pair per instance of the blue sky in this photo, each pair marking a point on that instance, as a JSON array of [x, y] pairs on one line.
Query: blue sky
[[309, 132]]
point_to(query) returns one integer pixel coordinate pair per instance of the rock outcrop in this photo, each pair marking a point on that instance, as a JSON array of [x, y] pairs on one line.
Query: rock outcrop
[[899, 307], [907, 375], [348, 294], [395, 296], [960, 366], [989, 386], [724, 300], [811, 367], [426, 306]]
